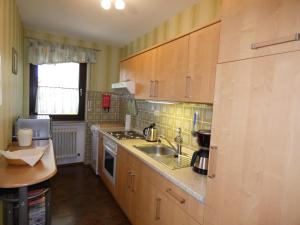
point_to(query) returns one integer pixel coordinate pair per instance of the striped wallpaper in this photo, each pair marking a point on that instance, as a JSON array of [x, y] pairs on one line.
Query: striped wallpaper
[[192, 17]]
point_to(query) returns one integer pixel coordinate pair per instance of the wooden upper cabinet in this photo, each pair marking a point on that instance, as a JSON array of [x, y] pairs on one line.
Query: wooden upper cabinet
[[130, 68], [145, 80], [171, 68], [203, 57], [256, 130], [271, 25]]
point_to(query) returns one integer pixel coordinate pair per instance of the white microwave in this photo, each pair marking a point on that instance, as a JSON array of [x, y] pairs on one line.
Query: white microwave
[[40, 126]]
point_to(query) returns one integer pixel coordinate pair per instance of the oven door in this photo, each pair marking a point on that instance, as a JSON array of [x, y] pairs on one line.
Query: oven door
[[109, 163]]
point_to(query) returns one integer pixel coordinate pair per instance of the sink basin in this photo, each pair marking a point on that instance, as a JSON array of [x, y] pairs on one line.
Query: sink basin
[[165, 155], [156, 150]]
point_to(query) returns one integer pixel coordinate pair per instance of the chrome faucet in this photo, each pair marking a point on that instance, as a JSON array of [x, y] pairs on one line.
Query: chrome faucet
[[178, 139]]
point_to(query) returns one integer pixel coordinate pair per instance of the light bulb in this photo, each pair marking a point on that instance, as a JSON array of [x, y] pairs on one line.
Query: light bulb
[[119, 4], [106, 4]]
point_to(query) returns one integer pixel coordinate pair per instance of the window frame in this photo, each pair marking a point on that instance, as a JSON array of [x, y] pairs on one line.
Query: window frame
[[82, 97]]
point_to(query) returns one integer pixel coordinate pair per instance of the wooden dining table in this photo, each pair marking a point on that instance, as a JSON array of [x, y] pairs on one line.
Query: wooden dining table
[[21, 177]]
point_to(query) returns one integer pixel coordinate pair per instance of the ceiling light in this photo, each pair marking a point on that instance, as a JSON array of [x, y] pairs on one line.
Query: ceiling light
[[106, 4], [119, 4]]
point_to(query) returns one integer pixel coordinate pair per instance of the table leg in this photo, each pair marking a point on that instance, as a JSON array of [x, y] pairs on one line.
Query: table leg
[[23, 206], [8, 213], [48, 207]]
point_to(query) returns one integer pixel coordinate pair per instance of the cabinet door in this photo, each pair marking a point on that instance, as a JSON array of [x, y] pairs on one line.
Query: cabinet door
[[203, 57], [130, 69], [123, 180], [171, 69], [161, 210], [145, 80], [136, 190], [256, 129], [144, 198], [267, 22]]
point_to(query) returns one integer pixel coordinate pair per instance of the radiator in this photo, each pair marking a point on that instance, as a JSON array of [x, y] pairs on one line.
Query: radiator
[[65, 144]]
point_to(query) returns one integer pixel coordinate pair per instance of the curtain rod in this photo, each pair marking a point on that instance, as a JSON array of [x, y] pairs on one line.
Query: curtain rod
[[40, 39]]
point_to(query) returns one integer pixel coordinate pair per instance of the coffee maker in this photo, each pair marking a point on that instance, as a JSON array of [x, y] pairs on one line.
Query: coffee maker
[[200, 158]]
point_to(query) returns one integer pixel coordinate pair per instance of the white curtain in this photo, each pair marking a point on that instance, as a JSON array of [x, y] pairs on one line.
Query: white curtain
[[45, 52], [58, 89]]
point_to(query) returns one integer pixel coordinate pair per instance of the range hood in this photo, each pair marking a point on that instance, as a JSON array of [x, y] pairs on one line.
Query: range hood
[[125, 87]]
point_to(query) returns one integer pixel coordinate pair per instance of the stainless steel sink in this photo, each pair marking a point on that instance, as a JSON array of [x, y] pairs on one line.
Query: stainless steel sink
[[156, 150], [165, 155]]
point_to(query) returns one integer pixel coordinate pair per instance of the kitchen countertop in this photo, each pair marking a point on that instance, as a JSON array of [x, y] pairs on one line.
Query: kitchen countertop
[[185, 178]]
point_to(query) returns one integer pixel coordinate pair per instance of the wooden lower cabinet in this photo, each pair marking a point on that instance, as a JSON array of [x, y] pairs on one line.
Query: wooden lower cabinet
[[123, 192], [142, 194], [255, 171]]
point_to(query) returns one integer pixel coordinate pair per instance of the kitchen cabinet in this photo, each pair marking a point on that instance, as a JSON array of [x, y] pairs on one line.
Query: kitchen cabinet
[[130, 69], [179, 70], [203, 56], [163, 203], [171, 69], [149, 199], [145, 80], [254, 172], [123, 179], [273, 27], [128, 188]]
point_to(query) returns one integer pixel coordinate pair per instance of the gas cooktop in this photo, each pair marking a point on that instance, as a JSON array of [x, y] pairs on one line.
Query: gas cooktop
[[126, 135]]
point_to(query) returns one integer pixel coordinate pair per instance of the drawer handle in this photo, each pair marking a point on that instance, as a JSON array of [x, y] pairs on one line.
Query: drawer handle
[[281, 40], [157, 209], [175, 196], [132, 182], [156, 83], [212, 162], [129, 180], [151, 88], [188, 84]]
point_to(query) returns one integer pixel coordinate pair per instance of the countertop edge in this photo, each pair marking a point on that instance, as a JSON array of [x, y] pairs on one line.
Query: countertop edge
[[49, 176]]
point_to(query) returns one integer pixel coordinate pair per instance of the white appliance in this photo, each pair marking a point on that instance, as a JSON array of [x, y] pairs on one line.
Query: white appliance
[[110, 150], [125, 87], [40, 126], [95, 148]]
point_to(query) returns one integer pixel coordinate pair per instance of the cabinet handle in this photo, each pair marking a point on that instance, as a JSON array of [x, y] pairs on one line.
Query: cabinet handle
[[212, 162], [151, 88], [132, 182], [187, 86], [156, 82], [175, 196], [157, 210], [129, 180], [281, 40]]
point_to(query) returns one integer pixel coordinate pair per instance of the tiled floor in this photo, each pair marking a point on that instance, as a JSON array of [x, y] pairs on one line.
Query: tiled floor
[[80, 198]]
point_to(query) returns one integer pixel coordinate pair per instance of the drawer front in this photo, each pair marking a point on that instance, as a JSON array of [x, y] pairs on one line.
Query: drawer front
[[177, 196]]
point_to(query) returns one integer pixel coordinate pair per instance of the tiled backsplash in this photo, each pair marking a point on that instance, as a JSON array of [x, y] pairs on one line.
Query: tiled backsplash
[[96, 114], [169, 117], [166, 117]]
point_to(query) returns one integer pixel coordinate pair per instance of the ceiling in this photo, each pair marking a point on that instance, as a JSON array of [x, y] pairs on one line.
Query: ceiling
[[86, 19]]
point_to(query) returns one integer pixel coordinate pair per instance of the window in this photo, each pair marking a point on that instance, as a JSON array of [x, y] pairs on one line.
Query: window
[[58, 90]]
